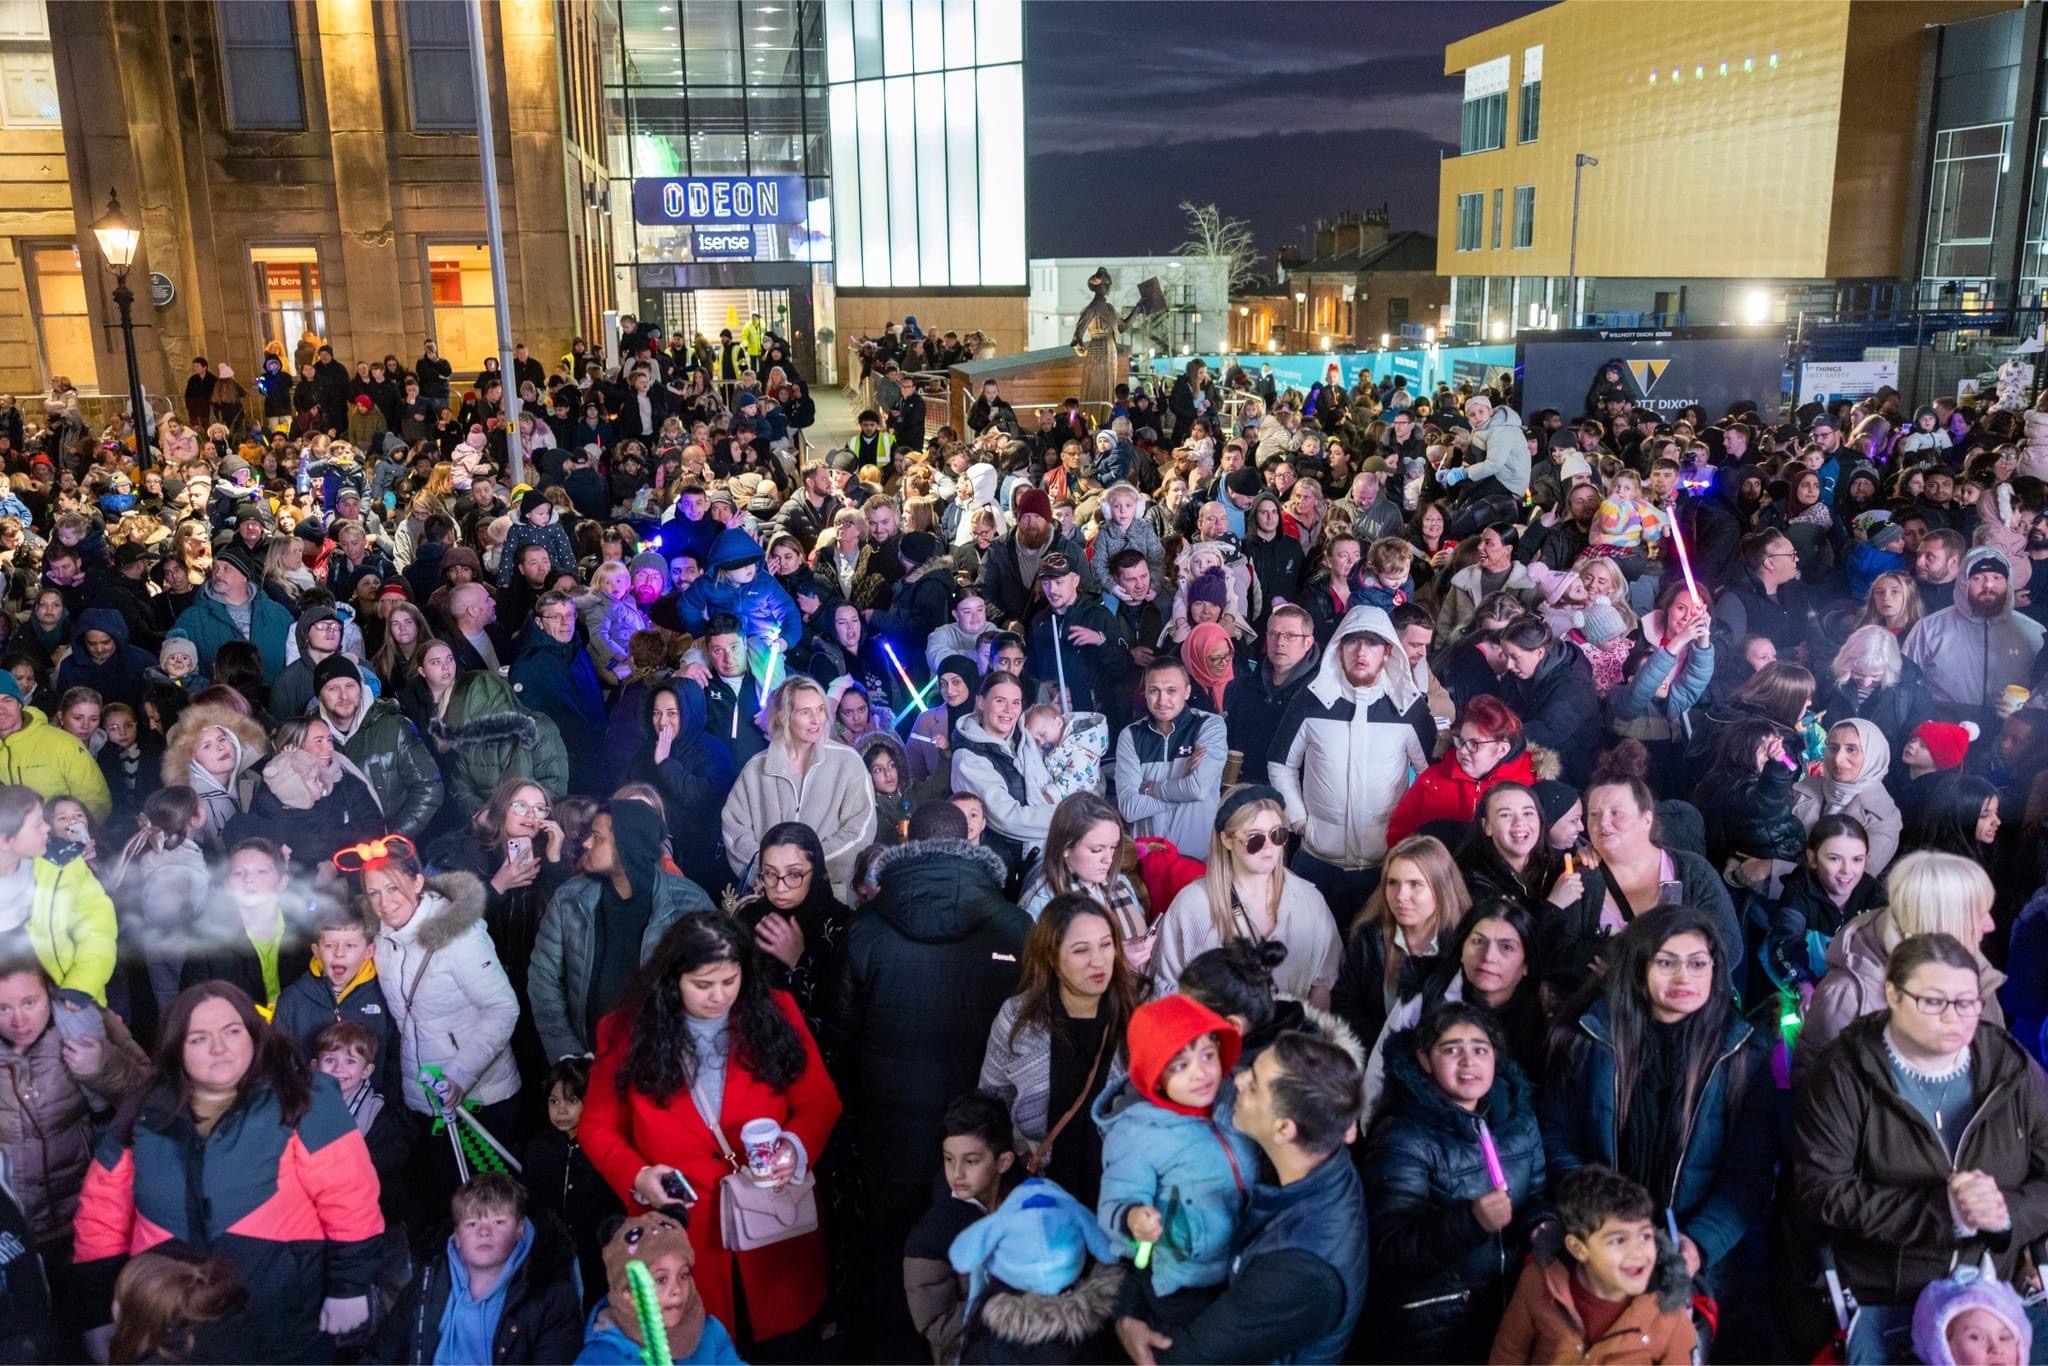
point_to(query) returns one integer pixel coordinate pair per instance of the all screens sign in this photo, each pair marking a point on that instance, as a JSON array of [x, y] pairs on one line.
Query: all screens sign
[[719, 201]]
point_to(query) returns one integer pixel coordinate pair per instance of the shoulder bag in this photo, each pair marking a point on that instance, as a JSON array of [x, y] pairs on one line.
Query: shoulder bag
[[751, 1216]]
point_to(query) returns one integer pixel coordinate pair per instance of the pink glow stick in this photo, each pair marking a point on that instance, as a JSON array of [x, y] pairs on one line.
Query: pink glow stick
[[1494, 1171], [1684, 563]]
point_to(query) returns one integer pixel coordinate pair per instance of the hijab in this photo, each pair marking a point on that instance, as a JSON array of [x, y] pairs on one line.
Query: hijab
[[1877, 761], [1195, 651], [964, 669]]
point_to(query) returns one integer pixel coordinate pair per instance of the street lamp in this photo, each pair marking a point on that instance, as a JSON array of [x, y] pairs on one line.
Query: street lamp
[[1579, 165], [118, 239]]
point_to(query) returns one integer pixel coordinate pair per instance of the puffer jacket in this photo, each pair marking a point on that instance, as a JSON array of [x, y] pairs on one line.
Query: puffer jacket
[[291, 1206], [764, 610], [399, 766], [1196, 1169], [555, 679], [1503, 451], [120, 679], [1446, 792], [833, 796], [46, 1117], [1443, 1282], [558, 981], [1854, 986], [71, 926], [610, 624], [1341, 760], [1748, 813], [453, 1006], [484, 734], [1722, 1187], [2034, 451], [1138, 536], [1560, 709], [928, 965], [210, 626], [51, 762], [1542, 1324], [1009, 777], [1872, 1173]]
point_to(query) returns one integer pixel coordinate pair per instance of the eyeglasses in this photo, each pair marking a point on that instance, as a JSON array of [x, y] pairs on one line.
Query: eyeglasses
[[556, 618], [526, 808], [1699, 965], [771, 878], [1469, 743], [1290, 635], [1965, 1007], [1259, 839]]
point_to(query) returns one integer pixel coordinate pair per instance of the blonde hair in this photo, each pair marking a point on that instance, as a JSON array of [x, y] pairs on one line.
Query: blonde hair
[[1446, 889], [1869, 645], [1220, 878], [607, 570], [779, 703], [1929, 892], [1909, 614]]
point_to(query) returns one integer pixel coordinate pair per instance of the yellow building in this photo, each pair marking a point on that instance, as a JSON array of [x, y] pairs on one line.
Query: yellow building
[[1736, 160]]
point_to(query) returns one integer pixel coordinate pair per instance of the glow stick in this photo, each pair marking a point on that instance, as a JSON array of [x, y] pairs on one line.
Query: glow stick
[[653, 1333], [1144, 1257], [1494, 1171], [916, 694], [1684, 563], [1059, 658], [1671, 1223]]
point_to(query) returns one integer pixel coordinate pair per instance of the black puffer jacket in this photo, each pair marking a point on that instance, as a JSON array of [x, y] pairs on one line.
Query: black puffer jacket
[[1441, 1281], [1560, 710], [1748, 813], [927, 966]]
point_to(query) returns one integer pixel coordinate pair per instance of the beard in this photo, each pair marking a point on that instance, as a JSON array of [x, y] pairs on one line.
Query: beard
[[1034, 537]]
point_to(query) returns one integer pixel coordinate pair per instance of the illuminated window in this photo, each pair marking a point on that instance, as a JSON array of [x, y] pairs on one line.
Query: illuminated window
[[288, 299], [1471, 220], [260, 65], [1525, 216], [464, 303], [56, 283]]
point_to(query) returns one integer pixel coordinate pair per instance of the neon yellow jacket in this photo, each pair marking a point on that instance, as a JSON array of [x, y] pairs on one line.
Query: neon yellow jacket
[[753, 336], [50, 762], [71, 924]]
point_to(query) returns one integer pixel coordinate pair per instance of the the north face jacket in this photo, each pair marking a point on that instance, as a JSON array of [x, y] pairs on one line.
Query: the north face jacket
[[1342, 756], [287, 1204]]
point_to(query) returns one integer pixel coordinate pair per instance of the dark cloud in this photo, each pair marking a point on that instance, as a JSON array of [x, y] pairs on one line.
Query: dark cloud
[[1280, 112]]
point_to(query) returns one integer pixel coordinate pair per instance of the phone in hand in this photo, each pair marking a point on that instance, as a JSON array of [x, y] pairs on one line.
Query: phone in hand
[[677, 1187], [518, 849]]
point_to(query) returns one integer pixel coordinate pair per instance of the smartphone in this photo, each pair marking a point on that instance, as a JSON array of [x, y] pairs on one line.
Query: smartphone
[[1671, 894], [518, 849], [677, 1187]]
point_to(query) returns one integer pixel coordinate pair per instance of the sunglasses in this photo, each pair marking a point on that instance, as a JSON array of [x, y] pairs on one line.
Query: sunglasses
[[1259, 839]]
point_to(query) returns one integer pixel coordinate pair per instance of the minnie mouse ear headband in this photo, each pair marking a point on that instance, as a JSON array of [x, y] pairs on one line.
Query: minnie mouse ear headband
[[359, 858]]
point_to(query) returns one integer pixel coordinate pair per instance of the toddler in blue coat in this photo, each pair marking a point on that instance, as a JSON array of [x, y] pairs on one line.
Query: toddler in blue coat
[[1175, 1173]]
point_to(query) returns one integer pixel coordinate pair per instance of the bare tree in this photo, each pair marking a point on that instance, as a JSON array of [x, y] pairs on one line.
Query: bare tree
[[1211, 234]]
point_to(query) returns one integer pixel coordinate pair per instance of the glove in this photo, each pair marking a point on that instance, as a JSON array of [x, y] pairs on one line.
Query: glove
[[342, 1316], [1450, 476]]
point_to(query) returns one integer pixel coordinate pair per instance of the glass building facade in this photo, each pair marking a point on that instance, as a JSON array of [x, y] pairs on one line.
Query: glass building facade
[[902, 119]]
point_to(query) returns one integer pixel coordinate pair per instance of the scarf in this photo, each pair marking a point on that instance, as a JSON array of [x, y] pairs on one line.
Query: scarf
[[1877, 761], [1118, 898], [1194, 652]]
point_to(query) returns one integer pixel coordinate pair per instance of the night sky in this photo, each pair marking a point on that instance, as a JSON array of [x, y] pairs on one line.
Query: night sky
[[1279, 112]]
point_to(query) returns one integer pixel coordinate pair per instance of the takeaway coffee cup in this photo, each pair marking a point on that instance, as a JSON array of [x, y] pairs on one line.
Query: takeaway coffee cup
[[759, 1138]]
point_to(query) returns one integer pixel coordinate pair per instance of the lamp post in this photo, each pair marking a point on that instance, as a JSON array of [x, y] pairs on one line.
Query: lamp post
[[118, 239], [1579, 165]]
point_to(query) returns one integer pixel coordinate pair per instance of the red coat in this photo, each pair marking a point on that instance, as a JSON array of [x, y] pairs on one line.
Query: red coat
[[1445, 792], [785, 1282]]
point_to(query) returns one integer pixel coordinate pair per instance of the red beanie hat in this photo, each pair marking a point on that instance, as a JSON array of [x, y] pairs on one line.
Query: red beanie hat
[[1947, 741], [1031, 502], [1162, 1028]]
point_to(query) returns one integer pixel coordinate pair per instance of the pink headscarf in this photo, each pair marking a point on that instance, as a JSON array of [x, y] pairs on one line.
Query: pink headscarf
[[1195, 651]]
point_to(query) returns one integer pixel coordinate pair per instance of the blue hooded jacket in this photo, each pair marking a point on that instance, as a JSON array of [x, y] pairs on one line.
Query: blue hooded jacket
[[121, 678], [468, 1326], [763, 608]]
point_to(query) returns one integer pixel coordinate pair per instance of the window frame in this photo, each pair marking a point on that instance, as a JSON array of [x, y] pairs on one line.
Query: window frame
[[229, 82], [409, 46], [1482, 124], [1529, 119], [1475, 201], [25, 249], [1524, 236]]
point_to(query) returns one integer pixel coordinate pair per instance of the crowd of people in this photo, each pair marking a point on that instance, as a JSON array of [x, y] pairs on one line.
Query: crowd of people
[[1230, 874]]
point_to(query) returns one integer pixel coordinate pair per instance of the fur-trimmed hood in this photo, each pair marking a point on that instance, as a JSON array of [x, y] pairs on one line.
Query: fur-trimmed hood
[[195, 721], [1412, 1092], [1670, 1282], [989, 861], [461, 906], [939, 891], [489, 729], [1073, 1316]]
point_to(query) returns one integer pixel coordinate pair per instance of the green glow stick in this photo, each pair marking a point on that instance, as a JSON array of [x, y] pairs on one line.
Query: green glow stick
[[653, 1335], [1144, 1257]]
